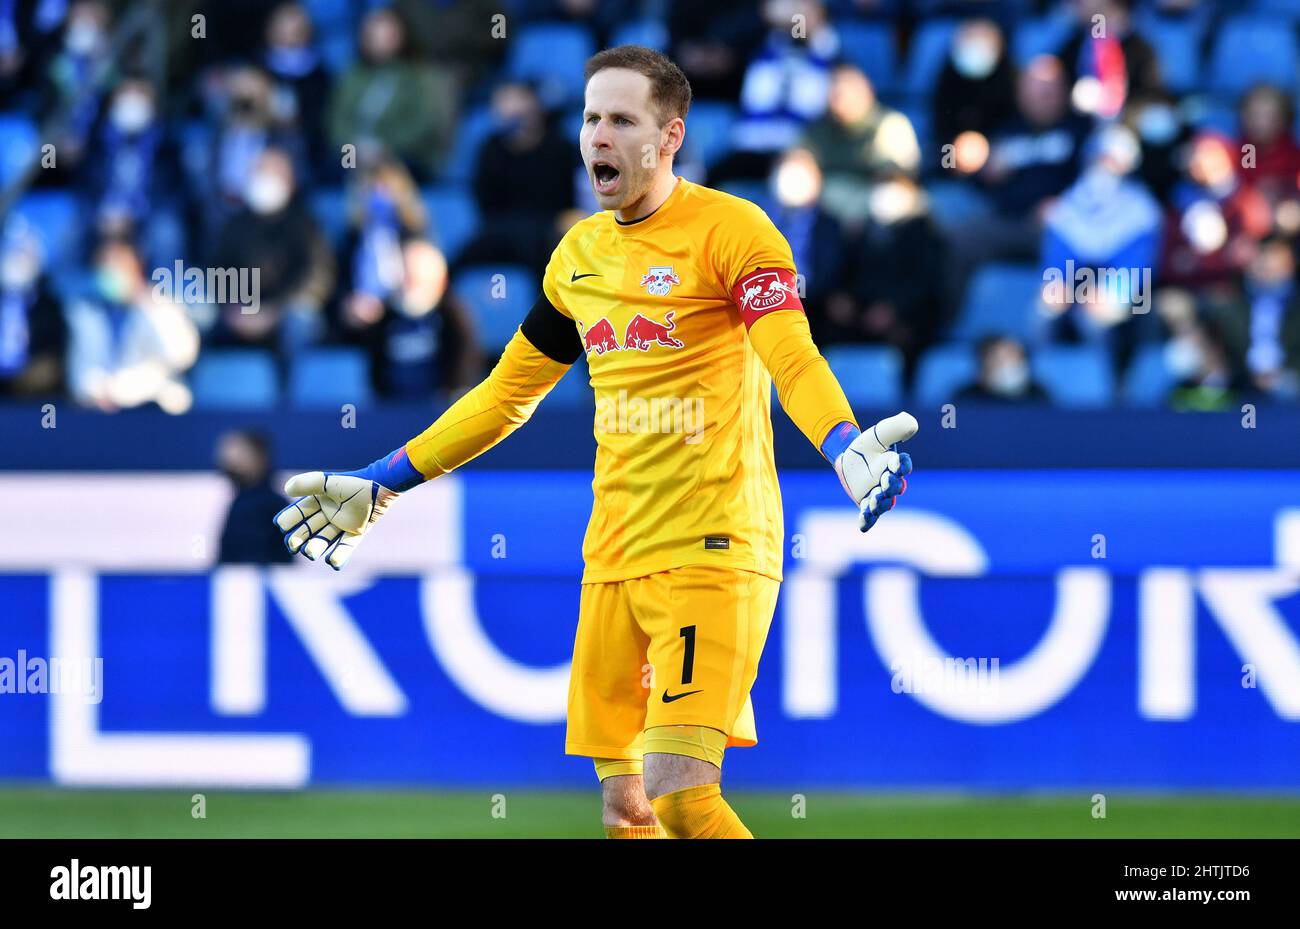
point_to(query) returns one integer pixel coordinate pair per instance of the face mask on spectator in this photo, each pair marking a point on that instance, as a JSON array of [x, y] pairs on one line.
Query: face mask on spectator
[[1158, 124], [1183, 357], [113, 285], [267, 193], [131, 112], [1009, 379], [974, 59], [18, 270], [81, 38]]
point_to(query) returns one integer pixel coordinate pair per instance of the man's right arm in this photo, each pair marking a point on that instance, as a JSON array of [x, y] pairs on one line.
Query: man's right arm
[[545, 347], [334, 509]]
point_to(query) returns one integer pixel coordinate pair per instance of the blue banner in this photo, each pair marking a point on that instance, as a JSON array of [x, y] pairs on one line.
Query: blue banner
[[999, 630]]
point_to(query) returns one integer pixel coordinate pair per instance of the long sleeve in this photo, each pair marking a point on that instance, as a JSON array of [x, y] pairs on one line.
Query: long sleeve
[[808, 391], [489, 412]]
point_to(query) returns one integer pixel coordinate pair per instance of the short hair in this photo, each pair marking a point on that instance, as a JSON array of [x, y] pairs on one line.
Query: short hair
[[670, 91]]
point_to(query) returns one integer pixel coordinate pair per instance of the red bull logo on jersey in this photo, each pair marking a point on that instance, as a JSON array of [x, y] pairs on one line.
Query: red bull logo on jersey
[[599, 338], [658, 282], [641, 334]]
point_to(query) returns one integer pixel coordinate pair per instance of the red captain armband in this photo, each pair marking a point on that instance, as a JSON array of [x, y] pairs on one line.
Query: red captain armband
[[766, 291]]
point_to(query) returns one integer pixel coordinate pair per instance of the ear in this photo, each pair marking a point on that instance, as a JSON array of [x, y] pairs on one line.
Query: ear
[[673, 134]]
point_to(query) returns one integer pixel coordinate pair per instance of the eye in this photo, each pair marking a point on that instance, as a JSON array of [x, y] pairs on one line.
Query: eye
[[623, 120], [592, 119]]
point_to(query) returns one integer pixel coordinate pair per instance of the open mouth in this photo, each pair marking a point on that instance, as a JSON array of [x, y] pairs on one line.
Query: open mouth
[[605, 177]]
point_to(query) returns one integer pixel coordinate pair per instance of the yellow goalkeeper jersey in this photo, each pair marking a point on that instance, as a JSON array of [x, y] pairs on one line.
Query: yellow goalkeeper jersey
[[684, 470]]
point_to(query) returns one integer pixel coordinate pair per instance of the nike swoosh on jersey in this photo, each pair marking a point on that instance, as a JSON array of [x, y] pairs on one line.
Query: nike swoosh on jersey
[[578, 277], [670, 698]]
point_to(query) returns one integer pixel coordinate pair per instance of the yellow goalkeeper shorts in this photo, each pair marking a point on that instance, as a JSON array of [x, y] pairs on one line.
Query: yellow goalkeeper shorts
[[676, 648]]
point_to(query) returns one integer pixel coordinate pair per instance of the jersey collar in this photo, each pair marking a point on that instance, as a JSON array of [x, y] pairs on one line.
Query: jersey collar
[[637, 226]]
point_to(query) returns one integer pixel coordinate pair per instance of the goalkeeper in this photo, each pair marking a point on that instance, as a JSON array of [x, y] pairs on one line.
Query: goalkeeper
[[675, 293]]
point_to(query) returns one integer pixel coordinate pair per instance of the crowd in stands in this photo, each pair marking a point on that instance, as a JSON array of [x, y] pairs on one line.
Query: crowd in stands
[[1080, 202]]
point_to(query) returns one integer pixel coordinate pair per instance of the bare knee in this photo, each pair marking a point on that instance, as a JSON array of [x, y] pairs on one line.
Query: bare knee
[[624, 801], [665, 773]]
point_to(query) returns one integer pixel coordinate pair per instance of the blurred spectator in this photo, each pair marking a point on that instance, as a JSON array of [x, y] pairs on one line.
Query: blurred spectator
[[1019, 171], [131, 186], [419, 337], [249, 127], [275, 233], [892, 286], [71, 95], [391, 99], [711, 43], [1215, 219], [786, 87], [1163, 134], [814, 236], [1004, 375], [301, 84], [1198, 356], [248, 535], [27, 34], [1108, 61], [1101, 239], [456, 34], [127, 348], [857, 141], [387, 209], [1036, 155], [976, 89], [523, 181], [1270, 157], [1261, 327], [33, 336]]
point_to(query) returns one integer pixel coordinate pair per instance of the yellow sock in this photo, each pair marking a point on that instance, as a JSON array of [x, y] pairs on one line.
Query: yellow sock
[[699, 813], [635, 832]]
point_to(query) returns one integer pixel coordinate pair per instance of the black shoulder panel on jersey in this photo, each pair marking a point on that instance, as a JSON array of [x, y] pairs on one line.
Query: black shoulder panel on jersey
[[551, 332]]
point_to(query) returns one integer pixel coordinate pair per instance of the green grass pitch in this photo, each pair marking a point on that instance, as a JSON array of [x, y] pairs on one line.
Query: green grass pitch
[[42, 812]]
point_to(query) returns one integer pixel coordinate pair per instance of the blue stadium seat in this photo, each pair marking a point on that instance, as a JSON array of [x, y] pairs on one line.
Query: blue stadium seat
[[1177, 43], [235, 379], [56, 218], [708, 129], [1001, 299], [1148, 380], [651, 33], [870, 46], [19, 146], [329, 206], [472, 131], [552, 54], [573, 392], [871, 375], [1289, 9], [1044, 35], [942, 372], [327, 378], [925, 61], [1250, 49], [499, 297], [1075, 376], [453, 217]]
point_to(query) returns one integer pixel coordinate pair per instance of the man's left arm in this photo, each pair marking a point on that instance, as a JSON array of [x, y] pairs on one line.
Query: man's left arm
[[870, 469]]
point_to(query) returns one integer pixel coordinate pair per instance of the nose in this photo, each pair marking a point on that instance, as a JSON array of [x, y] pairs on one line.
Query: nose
[[600, 136]]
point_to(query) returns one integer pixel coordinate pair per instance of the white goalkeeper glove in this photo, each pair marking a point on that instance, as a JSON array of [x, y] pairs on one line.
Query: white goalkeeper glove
[[336, 508], [872, 471]]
